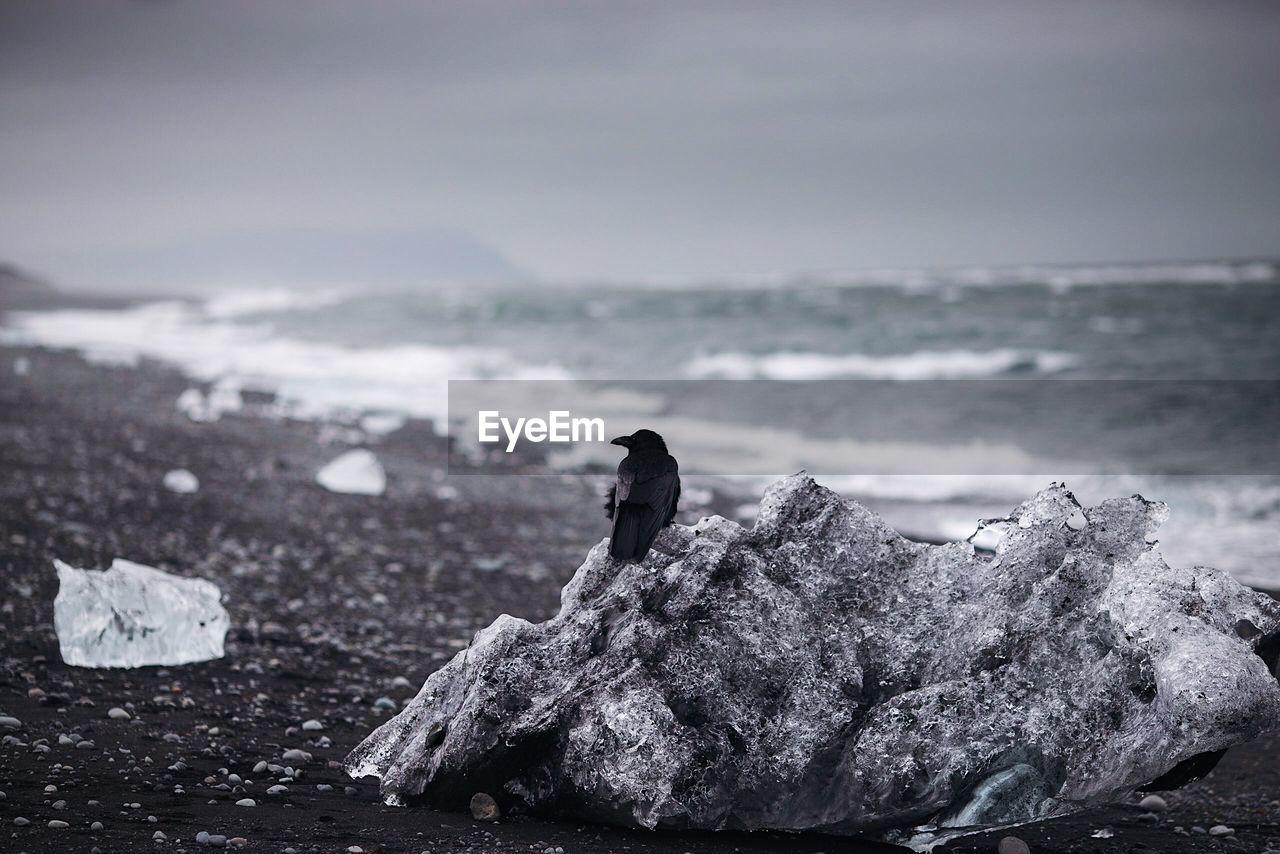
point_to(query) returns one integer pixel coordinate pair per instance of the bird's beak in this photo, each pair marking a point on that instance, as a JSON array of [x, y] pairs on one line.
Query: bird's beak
[[624, 441]]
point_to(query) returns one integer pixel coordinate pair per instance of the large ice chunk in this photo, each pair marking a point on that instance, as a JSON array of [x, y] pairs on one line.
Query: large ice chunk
[[356, 472], [821, 672], [133, 615]]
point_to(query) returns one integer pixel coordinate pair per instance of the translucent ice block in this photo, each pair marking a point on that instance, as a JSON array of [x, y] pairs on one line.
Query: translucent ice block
[[356, 472], [133, 615]]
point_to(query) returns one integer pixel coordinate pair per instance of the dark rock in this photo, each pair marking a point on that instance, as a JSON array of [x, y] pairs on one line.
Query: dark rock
[[484, 807], [1012, 845], [819, 671], [1153, 803]]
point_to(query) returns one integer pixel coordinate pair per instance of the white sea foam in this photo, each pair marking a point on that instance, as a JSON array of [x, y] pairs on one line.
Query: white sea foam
[[316, 378], [920, 365], [1059, 278], [725, 448], [241, 303]]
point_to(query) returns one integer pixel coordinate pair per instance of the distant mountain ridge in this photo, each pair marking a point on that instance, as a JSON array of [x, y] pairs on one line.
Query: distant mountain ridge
[[15, 280], [20, 289], [287, 258]]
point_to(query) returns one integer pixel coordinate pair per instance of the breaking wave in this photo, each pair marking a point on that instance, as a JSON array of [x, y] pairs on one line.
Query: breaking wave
[[314, 379], [921, 365], [244, 303]]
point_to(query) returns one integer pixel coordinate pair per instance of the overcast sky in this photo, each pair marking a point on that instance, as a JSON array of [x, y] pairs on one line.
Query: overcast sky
[[197, 142]]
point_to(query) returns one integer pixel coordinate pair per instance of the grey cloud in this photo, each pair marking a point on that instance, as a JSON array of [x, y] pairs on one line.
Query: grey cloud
[[620, 140]]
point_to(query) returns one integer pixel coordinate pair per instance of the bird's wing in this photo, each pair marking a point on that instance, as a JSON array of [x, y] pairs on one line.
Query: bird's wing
[[610, 501], [658, 496], [675, 500], [626, 480]]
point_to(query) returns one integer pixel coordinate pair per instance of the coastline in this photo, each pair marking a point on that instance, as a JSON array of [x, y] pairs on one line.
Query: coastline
[[310, 578]]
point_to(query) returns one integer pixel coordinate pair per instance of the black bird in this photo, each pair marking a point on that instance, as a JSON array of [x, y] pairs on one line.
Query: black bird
[[643, 500]]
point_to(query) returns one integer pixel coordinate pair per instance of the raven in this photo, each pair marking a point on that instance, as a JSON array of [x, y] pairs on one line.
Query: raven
[[643, 500]]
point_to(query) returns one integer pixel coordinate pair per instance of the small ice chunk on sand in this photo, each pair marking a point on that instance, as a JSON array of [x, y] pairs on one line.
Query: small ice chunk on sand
[[191, 404], [181, 481], [356, 472], [222, 398], [133, 616], [382, 423]]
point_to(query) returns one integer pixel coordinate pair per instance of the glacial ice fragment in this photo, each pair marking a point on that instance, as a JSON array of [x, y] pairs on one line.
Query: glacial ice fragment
[[820, 672], [133, 615], [181, 481], [223, 397], [356, 472], [383, 423]]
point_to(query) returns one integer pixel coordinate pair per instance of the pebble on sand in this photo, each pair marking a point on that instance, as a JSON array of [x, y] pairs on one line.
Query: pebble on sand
[[7, 722], [1221, 830], [21, 822], [96, 826], [1012, 845], [1153, 803], [118, 714], [246, 802], [159, 836], [484, 807], [295, 755], [58, 824], [312, 725]]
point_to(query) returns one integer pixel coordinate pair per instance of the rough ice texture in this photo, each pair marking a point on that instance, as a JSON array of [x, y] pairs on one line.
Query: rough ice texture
[[133, 615], [821, 672]]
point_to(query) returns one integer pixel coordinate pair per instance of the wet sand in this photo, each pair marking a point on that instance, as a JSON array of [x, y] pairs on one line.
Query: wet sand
[[332, 599]]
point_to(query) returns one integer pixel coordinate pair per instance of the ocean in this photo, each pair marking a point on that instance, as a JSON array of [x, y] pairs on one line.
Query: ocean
[[350, 354]]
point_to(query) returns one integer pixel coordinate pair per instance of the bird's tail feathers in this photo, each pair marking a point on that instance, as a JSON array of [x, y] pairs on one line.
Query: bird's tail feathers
[[626, 533]]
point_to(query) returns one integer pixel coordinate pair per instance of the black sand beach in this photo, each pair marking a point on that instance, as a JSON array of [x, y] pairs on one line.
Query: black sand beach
[[337, 602]]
